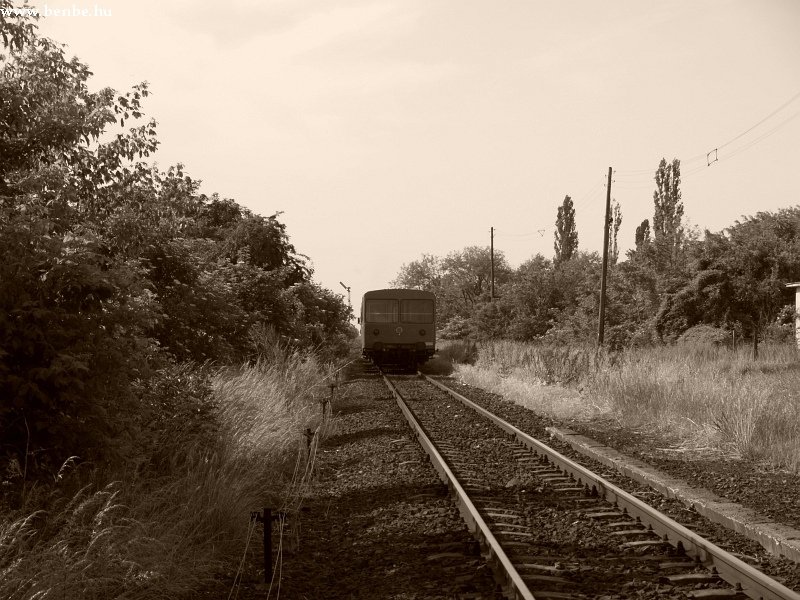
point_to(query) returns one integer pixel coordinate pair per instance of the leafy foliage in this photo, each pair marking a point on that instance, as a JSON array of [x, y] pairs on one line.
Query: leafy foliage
[[117, 275], [461, 280], [616, 222], [667, 230], [642, 236], [739, 276], [670, 283], [566, 235]]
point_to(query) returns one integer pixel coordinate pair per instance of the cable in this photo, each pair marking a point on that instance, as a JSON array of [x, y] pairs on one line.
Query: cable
[[706, 156], [539, 232], [774, 112], [763, 136]]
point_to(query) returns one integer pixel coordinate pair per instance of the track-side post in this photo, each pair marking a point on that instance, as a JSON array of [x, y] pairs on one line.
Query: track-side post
[[265, 517], [309, 435], [267, 545]]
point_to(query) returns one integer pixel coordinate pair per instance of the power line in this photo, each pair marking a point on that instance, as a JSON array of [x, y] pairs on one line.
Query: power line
[[539, 232], [773, 113], [763, 136], [712, 156]]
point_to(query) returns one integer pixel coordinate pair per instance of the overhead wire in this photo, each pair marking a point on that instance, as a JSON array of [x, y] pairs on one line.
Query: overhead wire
[[633, 179], [580, 201], [713, 155], [763, 136], [769, 116]]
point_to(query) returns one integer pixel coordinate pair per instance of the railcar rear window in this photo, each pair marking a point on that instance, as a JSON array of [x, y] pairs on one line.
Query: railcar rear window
[[381, 311], [416, 311]]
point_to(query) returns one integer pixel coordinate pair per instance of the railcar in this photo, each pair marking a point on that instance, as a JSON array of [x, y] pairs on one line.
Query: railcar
[[398, 326]]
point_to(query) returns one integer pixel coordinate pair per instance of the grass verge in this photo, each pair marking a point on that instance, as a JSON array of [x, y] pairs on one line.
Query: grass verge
[[164, 535], [696, 396]]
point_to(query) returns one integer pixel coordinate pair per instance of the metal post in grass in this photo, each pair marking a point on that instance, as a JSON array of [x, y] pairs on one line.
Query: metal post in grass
[[309, 435], [267, 545], [265, 517], [333, 387]]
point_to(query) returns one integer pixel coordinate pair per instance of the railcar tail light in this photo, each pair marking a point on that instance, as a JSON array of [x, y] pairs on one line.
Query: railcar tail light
[[422, 332], [376, 331]]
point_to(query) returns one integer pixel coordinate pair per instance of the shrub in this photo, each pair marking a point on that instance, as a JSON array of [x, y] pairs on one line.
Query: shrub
[[456, 328], [178, 409], [166, 534], [705, 335]]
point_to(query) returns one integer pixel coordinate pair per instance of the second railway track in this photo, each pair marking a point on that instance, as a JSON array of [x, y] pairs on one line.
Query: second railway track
[[553, 529]]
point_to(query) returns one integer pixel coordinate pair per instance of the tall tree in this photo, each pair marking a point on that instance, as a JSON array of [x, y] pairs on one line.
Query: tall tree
[[422, 274], [616, 221], [667, 229], [566, 235], [642, 234]]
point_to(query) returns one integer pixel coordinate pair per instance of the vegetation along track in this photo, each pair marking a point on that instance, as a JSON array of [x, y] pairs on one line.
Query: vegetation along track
[[550, 527]]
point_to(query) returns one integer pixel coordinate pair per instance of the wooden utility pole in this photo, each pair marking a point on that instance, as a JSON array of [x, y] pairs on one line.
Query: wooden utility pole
[[491, 255], [606, 223]]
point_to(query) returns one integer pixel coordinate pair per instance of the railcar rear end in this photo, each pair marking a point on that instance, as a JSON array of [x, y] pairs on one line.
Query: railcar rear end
[[398, 326]]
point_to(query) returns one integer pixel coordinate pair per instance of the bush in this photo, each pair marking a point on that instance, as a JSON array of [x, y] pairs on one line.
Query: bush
[[705, 335], [459, 351], [178, 410], [166, 534], [457, 328], [547, 363]]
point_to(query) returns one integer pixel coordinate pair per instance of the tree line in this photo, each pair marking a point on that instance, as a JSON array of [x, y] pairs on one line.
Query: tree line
[[673, 284], [115, 274]]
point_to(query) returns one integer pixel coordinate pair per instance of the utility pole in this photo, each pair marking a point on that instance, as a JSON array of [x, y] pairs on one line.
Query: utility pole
[[601, 326], [491, 255]]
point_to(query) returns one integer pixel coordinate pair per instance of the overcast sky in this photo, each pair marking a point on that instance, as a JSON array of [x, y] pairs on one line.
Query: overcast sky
[[385, 129]]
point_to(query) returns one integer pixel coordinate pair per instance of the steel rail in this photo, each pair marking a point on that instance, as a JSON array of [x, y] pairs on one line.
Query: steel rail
[[754, 583], [498, 559]]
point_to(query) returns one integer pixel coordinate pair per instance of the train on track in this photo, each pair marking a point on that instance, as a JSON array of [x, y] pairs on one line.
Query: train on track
[[398, 326]]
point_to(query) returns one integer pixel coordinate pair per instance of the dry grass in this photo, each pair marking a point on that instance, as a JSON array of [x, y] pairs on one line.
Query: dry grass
[[558, 401], [703, 397], [712, 397], [450, 353], [165, 537]]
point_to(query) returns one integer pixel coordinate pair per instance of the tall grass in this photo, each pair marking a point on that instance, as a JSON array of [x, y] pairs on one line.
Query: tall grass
[[713, 397], [535, 376], [165, 535], [700, 396]]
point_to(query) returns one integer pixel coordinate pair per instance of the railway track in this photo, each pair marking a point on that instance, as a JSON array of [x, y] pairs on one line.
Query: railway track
[[549, 527]]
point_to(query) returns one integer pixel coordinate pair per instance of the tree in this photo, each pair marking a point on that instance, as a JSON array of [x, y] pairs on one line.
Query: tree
[[460, 280], [490, 321], [532, 298], [566, 234], [267, 246], [738, 276], [112, 270], [642, 237], [74, 315], [576, 298], [667, 230], [616, 221], [423, 274]]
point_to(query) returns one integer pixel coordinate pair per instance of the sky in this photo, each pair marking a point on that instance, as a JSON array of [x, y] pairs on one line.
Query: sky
[[385, 129]]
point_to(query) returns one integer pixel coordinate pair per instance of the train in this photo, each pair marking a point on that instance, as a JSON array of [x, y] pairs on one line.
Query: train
[[398, 326]]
